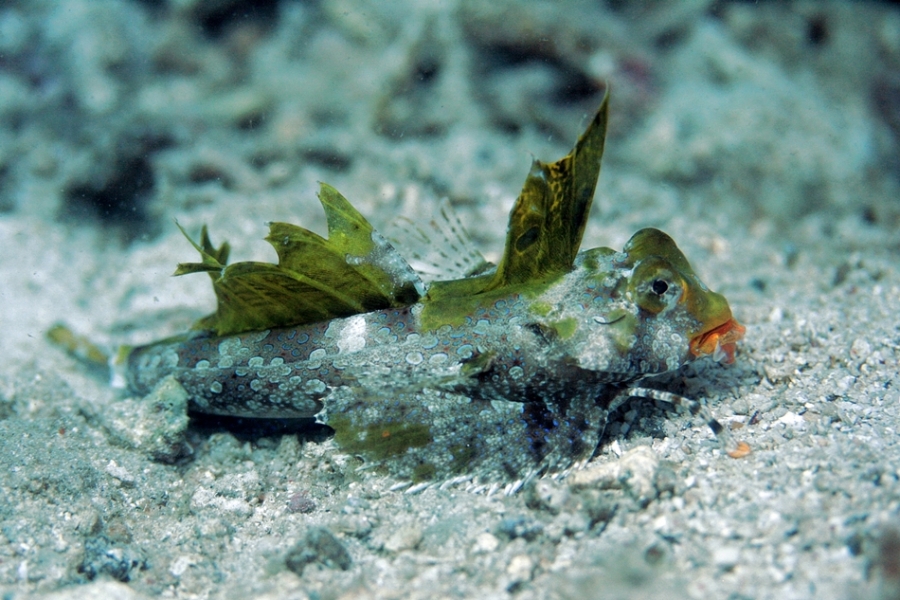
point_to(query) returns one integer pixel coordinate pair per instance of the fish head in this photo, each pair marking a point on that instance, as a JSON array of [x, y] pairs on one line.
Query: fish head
[[666, 289], [644, 311]]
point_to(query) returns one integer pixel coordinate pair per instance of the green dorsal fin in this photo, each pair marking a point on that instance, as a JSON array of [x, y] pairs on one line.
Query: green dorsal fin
[[548, 219], [355, 270]]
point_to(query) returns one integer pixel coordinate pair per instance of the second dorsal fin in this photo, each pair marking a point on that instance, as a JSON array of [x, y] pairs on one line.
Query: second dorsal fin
[[548, 219]]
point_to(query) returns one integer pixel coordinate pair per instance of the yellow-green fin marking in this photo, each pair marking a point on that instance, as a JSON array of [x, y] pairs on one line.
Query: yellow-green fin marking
[[354, 271]]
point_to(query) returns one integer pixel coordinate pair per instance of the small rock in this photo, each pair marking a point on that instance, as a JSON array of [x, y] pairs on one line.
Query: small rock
[[598, 506], [121, 473], [574, 522], [860, 349], [205, 498], [359, 526], [319, 545], [520, 527], [181, 564], [405, 538], [155, 424], [548, 495], [289, 448], [301, 503], [726, 557], [234, 493], [485, 543], [635, 472], [792, 420], [666, 479], [740, 406], [520, 569], [102, 556]]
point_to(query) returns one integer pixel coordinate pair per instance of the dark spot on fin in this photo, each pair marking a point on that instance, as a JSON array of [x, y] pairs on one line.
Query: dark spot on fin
[[527, 239]]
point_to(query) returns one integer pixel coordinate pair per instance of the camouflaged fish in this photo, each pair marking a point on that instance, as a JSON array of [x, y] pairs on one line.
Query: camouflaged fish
[[508, 371]]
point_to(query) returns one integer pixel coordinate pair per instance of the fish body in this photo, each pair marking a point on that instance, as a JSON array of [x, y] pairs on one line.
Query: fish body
[[502, 373], [549, 364]]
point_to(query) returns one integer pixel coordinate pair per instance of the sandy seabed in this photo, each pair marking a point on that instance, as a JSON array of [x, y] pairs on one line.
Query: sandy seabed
[[762, 137]]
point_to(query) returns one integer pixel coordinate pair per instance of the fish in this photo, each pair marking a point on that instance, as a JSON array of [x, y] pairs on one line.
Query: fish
[[501, 373]]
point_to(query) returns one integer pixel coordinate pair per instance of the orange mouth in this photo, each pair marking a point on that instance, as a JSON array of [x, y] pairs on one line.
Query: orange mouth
[[720, 342]]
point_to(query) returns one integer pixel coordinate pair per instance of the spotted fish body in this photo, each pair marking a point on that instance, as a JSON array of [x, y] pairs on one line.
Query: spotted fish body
[[498, 375]]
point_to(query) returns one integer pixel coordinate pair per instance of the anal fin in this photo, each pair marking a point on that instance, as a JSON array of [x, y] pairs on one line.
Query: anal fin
[[436, 436]]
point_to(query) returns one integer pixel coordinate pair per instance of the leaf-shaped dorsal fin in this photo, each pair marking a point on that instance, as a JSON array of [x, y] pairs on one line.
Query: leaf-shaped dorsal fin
[[548, 219], [376, 266], [353, 271]]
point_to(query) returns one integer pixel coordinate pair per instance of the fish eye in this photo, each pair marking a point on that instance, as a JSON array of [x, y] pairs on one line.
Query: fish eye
[[659, 287], [656, 285]]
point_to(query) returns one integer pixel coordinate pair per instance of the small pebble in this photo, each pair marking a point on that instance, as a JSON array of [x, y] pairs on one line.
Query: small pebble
[[635, 472], [520, 527], [319, 545], [485, 543], [520, 569], [405, 538], [726, 557], [301, 503]]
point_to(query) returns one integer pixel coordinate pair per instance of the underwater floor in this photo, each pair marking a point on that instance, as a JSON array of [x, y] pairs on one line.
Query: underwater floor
[[763, 137]]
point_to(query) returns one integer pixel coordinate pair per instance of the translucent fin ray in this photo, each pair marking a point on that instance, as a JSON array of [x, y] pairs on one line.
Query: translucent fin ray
[[439, 248]]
